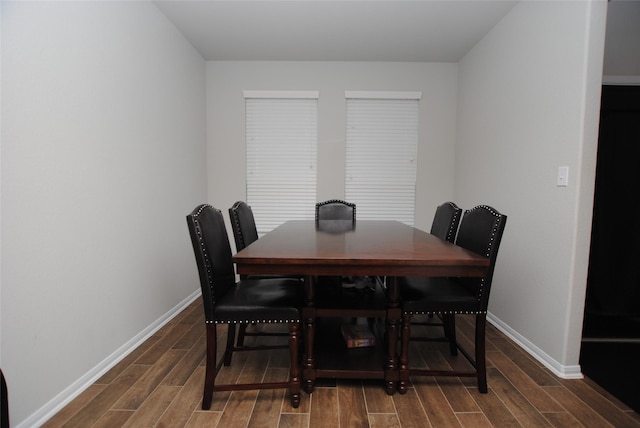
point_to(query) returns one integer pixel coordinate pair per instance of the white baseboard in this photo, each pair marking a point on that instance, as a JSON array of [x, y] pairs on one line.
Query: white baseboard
[[562, 371], [72, 391]]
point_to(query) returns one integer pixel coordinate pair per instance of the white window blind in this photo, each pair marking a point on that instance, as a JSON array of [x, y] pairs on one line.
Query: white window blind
[[281, 140], [382, 146]]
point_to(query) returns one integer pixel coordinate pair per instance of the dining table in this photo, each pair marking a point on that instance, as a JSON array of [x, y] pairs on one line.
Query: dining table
[[381, 250]]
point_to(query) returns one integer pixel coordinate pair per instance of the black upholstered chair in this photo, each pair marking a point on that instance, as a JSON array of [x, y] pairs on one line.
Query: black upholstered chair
[[446, 221], [481, 230], [445, 226], [244, 229], [243, 224], [275, 300], [335, 215], [245, 232]]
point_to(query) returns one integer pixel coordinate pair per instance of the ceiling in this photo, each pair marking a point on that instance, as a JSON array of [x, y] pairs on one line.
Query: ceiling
[[324, 30], [369, 30]]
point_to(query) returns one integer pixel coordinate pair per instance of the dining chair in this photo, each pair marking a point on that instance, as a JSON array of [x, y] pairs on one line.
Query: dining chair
[[335, 214], [446, 221], [245, 232], [445, 226], [243, 224], [481, 230], [259, 301], [244, 229]]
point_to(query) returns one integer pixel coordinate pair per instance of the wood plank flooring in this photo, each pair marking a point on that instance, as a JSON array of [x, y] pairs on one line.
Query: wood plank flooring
[[160, 385]]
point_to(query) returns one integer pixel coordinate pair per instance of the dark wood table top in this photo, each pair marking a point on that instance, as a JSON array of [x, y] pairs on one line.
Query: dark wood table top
[[385, 248]]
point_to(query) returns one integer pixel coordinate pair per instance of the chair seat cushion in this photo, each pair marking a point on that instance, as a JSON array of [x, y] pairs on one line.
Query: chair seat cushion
[[261, 300], [436, 295]]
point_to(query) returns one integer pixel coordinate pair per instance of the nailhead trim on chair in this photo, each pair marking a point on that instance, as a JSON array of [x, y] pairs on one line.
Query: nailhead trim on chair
[[204, 250], [451, 230], [236, 222], [495, 229], [491, 239], [252, 321], [443, 312]]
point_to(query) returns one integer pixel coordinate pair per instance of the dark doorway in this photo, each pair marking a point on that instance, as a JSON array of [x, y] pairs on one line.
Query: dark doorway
[[611, 332]]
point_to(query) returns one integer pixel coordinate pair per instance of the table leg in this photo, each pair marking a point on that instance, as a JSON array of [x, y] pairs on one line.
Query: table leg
[[391, 365], [294, 344], [309, 320], [404, 355], [391, 369]]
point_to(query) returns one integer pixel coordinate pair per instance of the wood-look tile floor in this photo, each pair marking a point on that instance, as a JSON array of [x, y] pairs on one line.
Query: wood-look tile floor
[[160, 385]]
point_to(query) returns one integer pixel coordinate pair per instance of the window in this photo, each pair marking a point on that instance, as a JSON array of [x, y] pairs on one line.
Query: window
[[382, 147], [281, 140]]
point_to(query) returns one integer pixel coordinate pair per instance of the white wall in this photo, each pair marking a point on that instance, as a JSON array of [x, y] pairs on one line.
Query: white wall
[[529, 103], [103, 155], [226, 138]]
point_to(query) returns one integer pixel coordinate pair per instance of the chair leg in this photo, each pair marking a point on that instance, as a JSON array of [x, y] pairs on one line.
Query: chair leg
[[449, 322], [231, 335], [294, 371], [404, 353], [481, 363], [210, 371], [241, 335]]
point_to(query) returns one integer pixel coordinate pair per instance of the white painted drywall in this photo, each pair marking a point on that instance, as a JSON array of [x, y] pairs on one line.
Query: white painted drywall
[[226, 137], [103, 155], [529, 103]]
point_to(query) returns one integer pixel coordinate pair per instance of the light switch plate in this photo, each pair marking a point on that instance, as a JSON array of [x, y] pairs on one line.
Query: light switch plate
[[563, 176]]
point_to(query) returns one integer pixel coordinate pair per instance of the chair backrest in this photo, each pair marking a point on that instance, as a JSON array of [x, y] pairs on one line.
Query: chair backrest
[[335, 216], [213, 255], [335, 209], [481, 230], [243, 224], [446, 221]]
